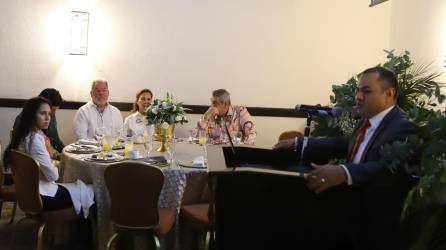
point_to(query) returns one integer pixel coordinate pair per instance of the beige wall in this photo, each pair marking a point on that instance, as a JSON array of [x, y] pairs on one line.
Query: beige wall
[[267, 53], [419, 26]]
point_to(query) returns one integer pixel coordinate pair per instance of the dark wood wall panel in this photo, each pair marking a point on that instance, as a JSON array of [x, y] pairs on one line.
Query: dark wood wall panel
[[195, 109]]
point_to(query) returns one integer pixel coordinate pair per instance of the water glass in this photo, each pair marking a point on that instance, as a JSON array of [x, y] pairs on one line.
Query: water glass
[[148, 146], [202, 137], [192, 134], [139, 138], [107, 142], [149, 131], [172, 151], [128, 146], [238, 137], [99, 133]]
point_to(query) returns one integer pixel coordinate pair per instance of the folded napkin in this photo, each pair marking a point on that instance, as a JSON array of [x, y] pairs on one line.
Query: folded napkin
[[88, 142], [82, 196], [198, 161]]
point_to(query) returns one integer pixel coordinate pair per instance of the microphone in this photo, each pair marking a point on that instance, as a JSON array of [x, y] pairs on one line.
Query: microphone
[[319, 110]]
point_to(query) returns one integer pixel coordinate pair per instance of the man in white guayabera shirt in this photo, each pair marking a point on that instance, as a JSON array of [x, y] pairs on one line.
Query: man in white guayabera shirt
[[97, 114]]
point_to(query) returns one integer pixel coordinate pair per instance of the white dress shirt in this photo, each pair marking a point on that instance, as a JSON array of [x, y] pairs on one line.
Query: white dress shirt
[[135, 124], [88, 118], [375, 121]]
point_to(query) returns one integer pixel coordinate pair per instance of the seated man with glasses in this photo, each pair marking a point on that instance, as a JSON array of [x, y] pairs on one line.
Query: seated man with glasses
[[237, 119]]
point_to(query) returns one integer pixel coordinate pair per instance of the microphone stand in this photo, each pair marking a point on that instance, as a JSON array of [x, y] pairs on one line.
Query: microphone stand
[[305, 139], [237, 163]]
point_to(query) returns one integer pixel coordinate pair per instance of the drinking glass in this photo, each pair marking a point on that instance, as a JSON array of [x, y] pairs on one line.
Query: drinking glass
[[119, 135], [99, 133], [139, 138], [149, 131], [128, 146], [192, 134], [148, 146], [172, 151], [107, 142], [238, 137], [202, 139]]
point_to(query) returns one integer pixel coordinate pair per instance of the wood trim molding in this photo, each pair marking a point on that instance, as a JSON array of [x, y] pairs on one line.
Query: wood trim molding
[[195, 109]]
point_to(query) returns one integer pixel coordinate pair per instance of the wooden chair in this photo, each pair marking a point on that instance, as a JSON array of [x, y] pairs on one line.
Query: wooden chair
[[134, 190], [7, 194], [289, 135], [199, 217], [25, 173], [196, 217]]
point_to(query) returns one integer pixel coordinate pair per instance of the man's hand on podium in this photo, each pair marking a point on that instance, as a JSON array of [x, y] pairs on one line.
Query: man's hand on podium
[[325, 176]]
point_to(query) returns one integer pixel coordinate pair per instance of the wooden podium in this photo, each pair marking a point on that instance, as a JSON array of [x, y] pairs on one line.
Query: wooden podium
[[264, 204]]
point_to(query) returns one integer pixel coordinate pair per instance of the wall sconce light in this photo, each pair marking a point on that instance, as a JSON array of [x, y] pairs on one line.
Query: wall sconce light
[[79, 33], [375, 2]]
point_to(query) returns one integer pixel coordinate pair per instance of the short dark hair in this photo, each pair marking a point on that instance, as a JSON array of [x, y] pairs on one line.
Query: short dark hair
[[385, 76], [53, 95]]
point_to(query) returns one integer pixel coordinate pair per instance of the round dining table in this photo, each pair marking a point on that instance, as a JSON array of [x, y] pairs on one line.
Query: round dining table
[[183, 182]]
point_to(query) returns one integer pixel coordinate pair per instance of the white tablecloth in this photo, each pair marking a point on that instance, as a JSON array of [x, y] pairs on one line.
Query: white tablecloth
[[75, 167]]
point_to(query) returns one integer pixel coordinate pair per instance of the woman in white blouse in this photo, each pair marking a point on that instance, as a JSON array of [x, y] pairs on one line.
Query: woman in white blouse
[[30, 138], [136, 122]]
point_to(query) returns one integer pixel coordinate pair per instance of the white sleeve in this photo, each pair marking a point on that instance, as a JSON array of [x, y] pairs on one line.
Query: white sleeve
[[39, 152], [80, 123], [126, 126], [349, 177], [119, 115]]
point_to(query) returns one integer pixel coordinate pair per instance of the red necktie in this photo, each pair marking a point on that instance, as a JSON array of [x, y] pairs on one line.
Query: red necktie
[[358, 139]]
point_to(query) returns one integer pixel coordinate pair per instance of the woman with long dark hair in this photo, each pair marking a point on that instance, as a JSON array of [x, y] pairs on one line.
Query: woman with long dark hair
[[135, 124], [28, 137]]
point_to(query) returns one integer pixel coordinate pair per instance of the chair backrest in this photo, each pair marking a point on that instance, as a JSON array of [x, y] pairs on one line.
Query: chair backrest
[[134, 190], [289, 135], [11, 134], [25, 173], [2, 174]]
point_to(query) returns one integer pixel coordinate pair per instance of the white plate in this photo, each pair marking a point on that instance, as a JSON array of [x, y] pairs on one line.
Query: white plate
[[82, 149], [106, 158], [189, 164]]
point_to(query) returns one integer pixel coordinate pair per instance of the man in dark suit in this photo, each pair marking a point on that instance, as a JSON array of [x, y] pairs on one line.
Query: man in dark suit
[[383, 191]]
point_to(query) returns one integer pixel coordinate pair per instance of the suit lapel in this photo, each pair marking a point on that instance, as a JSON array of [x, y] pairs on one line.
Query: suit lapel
[[384, 123]]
